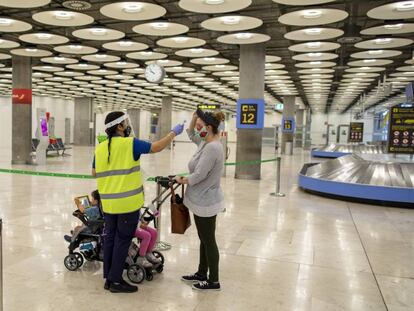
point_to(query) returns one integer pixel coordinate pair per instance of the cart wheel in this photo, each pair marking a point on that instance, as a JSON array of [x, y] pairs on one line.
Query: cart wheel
[[149, 277], [79, 258], [160, 268], [136, 274], [157, 254], [71, 262]]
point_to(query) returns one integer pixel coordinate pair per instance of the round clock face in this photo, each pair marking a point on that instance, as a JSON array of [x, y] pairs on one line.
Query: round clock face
[[154, 73]]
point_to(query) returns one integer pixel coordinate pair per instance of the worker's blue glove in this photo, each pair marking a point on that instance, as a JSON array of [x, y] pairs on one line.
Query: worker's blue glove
[[178, 129]]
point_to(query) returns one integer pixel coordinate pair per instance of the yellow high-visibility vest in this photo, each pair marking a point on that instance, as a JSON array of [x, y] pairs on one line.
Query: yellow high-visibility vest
[[119, 180]]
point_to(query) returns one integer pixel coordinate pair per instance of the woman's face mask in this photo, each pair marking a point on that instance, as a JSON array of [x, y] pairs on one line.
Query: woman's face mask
[[201, 132]]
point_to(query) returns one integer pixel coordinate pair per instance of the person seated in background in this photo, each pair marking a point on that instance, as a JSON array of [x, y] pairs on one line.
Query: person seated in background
[[92, 212]]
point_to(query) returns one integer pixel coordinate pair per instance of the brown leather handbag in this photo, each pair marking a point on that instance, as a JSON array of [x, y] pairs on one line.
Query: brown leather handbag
[[180, 216]]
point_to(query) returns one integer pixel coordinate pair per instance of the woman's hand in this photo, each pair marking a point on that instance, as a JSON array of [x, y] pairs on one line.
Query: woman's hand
[[181, 180]]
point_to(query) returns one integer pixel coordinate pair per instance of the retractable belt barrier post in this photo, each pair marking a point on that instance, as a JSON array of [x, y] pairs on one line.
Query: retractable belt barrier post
[[1, 264], [277, 192]]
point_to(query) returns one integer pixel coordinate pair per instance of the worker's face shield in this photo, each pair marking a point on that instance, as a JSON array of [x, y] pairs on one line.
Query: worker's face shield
[[126, 124]]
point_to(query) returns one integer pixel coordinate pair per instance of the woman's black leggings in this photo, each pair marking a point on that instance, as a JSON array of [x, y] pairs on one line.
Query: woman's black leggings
[[209, 253]]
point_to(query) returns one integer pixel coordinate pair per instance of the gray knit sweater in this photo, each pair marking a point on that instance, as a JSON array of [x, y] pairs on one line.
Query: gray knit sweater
[[204, 196]]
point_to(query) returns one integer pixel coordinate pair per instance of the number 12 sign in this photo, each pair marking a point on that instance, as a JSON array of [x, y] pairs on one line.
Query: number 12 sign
[[250, 113]]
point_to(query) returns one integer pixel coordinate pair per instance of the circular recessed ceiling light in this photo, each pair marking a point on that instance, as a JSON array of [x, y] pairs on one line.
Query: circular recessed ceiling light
[[5, 22], [160, 29], [313, 17], [75, 49], [395, 10], [389, 29], [313, 45], [133, 11], [405, 6], [181, 42], [64, 15], [31, 51], [98, 31], [213, 6], [384, 43], [302, 2], [100, 34], [125, 45], [43, 38], [12, 25], [24, 3], [132, 8], [231, 23], [196, 52], [159, 26], [230, 20], [243, 38], [7, 44], [146, 55], [63, 18], [310, 14]]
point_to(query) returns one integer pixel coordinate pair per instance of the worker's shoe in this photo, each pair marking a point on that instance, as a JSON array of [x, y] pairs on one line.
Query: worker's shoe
[[122, 287]]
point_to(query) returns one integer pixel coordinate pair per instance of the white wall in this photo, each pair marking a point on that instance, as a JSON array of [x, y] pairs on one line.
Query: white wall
[[59, 109], [318, 127]]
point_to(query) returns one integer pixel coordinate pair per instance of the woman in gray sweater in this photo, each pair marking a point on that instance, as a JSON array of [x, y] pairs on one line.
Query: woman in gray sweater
[[204, 196]]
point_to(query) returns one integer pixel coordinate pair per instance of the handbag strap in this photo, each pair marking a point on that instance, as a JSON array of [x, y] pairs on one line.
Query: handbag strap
[[173, 199]]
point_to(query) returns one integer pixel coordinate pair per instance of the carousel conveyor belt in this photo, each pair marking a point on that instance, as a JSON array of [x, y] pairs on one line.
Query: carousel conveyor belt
[[338, 150], [353, 177]]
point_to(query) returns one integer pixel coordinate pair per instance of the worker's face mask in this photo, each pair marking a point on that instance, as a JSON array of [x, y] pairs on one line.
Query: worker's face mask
[[127, 130]]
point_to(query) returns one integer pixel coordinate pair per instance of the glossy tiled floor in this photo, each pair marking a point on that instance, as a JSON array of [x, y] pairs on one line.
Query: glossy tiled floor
[[301, 252]]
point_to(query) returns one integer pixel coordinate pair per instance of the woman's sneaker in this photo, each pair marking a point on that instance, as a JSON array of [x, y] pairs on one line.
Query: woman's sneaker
[[206, 285], [142, 261], [194, 278], [152, 259]]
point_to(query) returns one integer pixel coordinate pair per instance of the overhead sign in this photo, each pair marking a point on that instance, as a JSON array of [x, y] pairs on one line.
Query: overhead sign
[[250, 113], [401, 129], [279, 106], [288, 125], [22, 96], [356, 132], [208, 106]]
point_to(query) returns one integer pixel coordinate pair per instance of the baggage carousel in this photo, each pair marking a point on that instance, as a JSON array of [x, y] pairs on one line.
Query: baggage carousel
[[369, 179], [339, 150]]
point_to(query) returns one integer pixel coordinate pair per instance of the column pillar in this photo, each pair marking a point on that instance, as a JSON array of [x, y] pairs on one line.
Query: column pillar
[[299, 128], [22, 110], [288, 112], [307, 127], [166, 115], [134, 117], [249, 141], [84, 120]]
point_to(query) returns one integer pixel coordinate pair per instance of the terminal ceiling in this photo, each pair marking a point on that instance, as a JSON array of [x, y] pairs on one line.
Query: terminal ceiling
[[333, 55]]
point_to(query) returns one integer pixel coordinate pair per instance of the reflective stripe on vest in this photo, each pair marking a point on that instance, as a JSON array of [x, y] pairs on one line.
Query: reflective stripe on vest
[[122, 194], [118, 172], [119, 180]]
